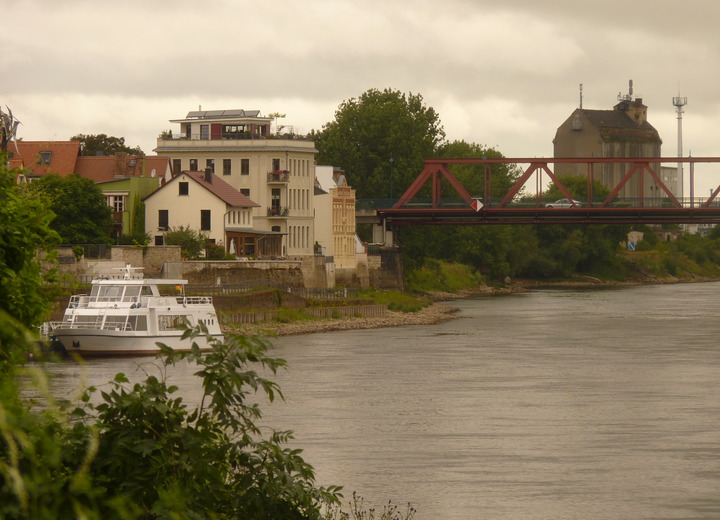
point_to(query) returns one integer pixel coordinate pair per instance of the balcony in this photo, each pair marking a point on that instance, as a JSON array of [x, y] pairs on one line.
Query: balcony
[[278, 177], [277, 212]]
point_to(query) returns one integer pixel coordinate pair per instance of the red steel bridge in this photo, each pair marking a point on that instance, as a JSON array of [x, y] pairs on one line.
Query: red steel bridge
[[519, 206]]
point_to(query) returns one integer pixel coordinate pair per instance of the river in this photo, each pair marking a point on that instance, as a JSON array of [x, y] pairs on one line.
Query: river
[[555, 404]]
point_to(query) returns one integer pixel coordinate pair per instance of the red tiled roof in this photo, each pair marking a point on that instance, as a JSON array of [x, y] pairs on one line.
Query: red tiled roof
[[159, 163], [96, 168], [62, 158], [107, 168], [222, 190]]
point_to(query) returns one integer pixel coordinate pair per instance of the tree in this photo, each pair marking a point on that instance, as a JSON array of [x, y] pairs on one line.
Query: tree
[[101, 144], [82, 215], [25, 238], [472, 176], [577, 185], [380, 139], [191, 241]]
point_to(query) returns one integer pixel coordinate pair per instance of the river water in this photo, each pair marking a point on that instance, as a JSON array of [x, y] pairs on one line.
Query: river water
[[555, 404]]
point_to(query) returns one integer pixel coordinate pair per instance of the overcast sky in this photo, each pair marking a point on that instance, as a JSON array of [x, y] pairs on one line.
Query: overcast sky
[[501, 73]]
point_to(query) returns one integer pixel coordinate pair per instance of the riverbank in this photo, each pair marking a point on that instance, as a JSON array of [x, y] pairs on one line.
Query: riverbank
[[438, 311], [441, 309]]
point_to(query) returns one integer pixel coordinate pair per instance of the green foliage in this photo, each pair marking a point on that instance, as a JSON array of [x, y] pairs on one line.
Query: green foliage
[[144, 453], [396, 301], [436, 275], [191, 241], [101, 144], [82, 215], [381, 140], [578, 187], [358, 511], [472, 176], [216, 252], [292, 315], [25, 238]]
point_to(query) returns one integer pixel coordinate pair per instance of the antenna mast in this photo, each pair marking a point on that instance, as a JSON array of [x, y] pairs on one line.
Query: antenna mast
[[679, 103], [580, 96]]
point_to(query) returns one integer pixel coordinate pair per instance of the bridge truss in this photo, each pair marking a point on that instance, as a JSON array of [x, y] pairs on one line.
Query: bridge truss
[[517, 207]]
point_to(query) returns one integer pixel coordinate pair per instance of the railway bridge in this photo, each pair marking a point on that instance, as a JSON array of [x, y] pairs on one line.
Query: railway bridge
[[425, 203]]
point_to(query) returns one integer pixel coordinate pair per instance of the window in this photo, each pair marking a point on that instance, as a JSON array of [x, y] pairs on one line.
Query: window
[[176, 167], [210, 163], [245, 191], [193, 165], [249, 246], [44, 157], [116, 202], [234, 131], [205, 219], [275, 201], [244, 166], [163, 220], [227, 166], [183, 188], [205, 132], [276, 164]]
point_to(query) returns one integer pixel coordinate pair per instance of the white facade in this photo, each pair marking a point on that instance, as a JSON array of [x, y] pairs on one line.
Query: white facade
[[187, 201], [277, 172]]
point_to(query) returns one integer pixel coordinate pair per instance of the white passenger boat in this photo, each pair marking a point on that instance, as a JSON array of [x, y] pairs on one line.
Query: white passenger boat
[[128, 315]]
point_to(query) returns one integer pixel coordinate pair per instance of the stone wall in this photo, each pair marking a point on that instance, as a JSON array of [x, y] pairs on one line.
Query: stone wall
[[200, 272]]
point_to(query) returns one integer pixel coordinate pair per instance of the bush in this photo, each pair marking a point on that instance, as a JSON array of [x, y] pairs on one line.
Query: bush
[[143, 453], [191, 242]]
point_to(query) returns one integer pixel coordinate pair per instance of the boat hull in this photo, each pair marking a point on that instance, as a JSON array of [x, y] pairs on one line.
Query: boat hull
[[93, 342]]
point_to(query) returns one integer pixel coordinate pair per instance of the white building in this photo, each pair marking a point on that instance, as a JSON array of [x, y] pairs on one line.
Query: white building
[[201, 201], [276, 171]]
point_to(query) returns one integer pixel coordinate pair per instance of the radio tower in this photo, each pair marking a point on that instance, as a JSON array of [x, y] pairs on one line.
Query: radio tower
[[679, 103]]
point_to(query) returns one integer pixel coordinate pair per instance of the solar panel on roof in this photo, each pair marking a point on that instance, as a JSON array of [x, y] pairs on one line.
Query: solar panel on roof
[[214, 113], [234, 113]]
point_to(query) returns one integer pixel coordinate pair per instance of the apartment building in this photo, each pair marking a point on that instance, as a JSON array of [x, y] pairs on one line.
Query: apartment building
[[275, 171]]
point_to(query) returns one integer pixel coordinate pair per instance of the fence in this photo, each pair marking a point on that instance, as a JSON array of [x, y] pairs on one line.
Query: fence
[[350, 311], [247, 286]]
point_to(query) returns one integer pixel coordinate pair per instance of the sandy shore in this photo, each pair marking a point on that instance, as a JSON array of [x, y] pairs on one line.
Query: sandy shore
[[439, 311]]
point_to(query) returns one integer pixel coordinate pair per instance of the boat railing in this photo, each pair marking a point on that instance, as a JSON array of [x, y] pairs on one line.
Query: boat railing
[[48, 327], [195, 300]]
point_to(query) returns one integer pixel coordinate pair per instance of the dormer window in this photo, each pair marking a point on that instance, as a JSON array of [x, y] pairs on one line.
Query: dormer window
[[44, 157]]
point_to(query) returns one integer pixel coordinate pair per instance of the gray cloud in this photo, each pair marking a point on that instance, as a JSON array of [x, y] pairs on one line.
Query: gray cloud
[[504, 73]]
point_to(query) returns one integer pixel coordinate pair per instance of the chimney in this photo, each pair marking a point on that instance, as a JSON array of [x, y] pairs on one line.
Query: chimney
[[208, 175]]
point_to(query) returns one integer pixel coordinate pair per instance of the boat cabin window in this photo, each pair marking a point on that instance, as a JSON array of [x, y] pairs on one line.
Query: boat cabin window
[[137, 323], [172, 321], [147, 290], [131, 293], [107, 293], [86, 321]]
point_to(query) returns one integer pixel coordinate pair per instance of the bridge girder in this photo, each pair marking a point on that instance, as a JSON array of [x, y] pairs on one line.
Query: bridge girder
[[406, 212]]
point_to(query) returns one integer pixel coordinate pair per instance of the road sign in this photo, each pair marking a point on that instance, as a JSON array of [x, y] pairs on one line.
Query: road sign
[[477, 205]]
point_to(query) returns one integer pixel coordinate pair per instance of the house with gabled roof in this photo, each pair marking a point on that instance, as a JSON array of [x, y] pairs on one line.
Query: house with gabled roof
[[204, 202], [623, 132]]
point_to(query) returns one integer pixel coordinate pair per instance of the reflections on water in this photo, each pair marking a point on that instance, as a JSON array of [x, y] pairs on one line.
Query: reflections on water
[[600, 404]]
